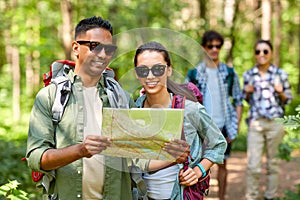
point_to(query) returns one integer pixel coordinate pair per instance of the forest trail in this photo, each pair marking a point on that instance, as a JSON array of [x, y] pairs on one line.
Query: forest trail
[[237, 165]]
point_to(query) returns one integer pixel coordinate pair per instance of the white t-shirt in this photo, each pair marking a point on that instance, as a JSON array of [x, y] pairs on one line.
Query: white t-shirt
[[160, 184], [212, 99], [93, 168]]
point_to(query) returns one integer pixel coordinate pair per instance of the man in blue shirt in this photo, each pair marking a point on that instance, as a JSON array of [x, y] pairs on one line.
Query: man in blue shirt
[[220, 86]]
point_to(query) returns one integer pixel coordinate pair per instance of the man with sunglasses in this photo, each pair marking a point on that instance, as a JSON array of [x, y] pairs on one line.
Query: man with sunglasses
[[70, 150], [266, 89], [220, 86]]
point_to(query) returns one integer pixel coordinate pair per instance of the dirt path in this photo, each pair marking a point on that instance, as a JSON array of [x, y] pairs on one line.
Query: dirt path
[[237, 173]]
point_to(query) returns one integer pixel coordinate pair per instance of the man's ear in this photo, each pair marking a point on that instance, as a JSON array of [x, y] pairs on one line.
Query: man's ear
[[169, 70], [75, 48]]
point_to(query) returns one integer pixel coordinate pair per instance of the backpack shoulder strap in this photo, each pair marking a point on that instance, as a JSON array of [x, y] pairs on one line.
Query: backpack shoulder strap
[[192, 73], [63, 90], [140, 185], [116, 95], [178, 102], [59, 70], [230, 79]]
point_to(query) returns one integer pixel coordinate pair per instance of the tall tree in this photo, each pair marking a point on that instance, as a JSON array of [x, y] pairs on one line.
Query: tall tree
[[203, 14], [266, 19], [277, 34], [233, 9], [298, 88], [32, 65], [16, 74], [66, 13], [13, 57]]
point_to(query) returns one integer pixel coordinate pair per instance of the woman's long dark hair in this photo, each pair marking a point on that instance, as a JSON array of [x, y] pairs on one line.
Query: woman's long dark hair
[[171, 85]]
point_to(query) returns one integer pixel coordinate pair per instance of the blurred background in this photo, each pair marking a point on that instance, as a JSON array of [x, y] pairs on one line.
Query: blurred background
[[34, 33]]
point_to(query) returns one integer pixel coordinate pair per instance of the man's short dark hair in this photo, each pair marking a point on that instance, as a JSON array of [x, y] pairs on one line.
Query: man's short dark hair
[[93, 22], [268, 42], [211, 35]]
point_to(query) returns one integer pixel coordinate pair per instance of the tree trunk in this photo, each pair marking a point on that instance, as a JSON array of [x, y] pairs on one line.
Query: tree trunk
[[202, 8], [278, 35], [232, 22], [66, 12], [266, 20], [298, 88], [29, 75], [32, 65], [16, 83], [257, 19]]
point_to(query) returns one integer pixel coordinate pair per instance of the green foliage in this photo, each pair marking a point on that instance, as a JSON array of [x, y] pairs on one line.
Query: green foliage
[[13, 138], [291, 140], [10, 191], [292, 121], [290, 195]]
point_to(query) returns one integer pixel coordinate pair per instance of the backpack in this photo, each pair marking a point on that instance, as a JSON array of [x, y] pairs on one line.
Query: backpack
[[58, 75], [186, 86], [194, 89], [192, 73]]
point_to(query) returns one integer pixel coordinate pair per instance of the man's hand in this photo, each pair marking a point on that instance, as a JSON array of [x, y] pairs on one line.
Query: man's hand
[[179, 149], [249, 89], [278, 88], [94, 145]]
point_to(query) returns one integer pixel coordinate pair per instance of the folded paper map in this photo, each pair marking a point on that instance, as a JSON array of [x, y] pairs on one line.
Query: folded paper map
[[141, 132]]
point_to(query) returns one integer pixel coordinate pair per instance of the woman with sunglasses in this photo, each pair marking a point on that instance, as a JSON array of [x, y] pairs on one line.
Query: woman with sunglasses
[[266, 89], [153, 68]]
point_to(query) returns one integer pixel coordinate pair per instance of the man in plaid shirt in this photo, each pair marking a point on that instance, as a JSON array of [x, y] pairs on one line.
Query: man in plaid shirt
[[266, 89]]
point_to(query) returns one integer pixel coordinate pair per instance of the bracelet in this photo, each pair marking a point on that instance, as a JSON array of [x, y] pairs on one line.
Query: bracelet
[[202, 170]]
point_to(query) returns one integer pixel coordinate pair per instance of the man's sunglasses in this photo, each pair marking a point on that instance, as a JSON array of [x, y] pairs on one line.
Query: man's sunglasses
[[97, 46], [257, 52], [143, 71], [210, 46]]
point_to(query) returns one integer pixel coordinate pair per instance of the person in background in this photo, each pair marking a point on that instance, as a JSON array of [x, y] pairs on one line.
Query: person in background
[[207, 145], [267, 90], [220, 86]]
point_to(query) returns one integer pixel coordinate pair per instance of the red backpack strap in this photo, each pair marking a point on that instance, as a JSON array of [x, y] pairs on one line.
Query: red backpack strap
[[178, 102]]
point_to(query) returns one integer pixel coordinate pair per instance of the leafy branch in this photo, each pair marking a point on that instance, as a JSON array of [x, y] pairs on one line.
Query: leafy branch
[[291, 121], [11, 192], [290, 140]]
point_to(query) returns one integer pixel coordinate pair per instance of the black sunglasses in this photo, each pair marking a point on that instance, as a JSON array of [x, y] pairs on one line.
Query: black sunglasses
[[97, 46], [257, 52], [143, 71], [210, 46]]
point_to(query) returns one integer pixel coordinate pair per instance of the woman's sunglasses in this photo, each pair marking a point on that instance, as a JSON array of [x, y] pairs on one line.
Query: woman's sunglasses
[[97, 47], [265, 51], [143, 71]]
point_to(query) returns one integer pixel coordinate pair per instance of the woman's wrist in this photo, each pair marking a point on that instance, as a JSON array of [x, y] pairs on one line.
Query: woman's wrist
[[202, 170]]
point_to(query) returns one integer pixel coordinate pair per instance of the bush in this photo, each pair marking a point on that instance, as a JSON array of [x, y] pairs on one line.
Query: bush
[[11, 191], [292, 138]]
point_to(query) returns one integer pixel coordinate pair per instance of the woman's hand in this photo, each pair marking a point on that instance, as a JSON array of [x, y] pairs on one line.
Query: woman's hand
[[179, 149]]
